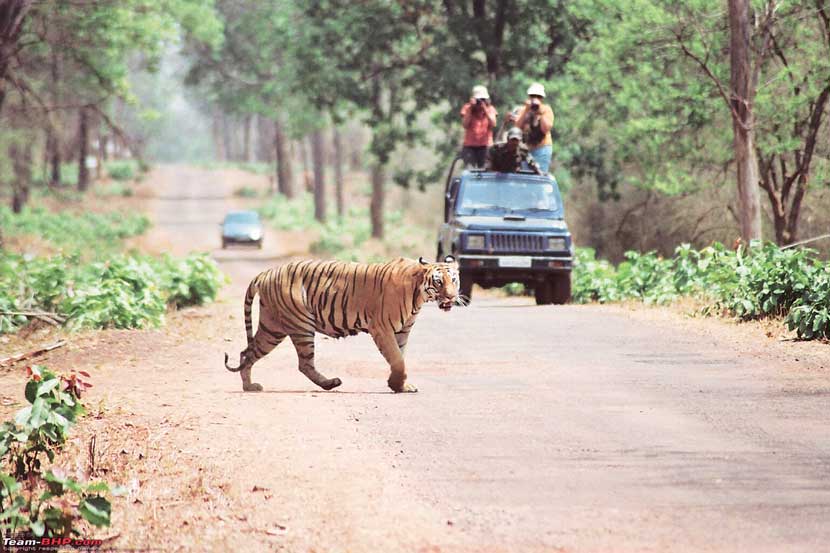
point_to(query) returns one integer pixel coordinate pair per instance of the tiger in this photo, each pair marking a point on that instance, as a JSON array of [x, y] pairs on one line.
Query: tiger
[[340, 299]]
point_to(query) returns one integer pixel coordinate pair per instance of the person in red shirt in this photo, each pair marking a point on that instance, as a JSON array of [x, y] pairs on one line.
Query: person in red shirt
[[478, 117]]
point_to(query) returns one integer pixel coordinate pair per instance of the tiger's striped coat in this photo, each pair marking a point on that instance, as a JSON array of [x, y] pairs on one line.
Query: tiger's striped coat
[[340, 299]]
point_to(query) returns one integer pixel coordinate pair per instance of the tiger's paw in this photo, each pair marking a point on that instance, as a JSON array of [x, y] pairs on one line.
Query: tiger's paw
[[407, 388], [331, 384], [252, 387]]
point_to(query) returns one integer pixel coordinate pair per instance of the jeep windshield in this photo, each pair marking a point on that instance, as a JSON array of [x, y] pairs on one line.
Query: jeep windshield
[[502, 195]]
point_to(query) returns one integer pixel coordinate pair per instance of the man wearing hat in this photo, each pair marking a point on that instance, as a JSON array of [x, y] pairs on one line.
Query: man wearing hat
[[536, 120], [508, 157], [479, 119]]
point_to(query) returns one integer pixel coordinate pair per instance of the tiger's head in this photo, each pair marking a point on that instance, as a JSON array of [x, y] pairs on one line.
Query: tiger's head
[[441, 283]]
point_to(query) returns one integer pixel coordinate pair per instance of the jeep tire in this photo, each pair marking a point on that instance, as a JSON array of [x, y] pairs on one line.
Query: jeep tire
[[466, 288], [543, 292], [561, 288]]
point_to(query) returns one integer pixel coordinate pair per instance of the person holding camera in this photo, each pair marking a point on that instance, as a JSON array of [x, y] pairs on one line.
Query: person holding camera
[[536, 120], [478, 117], [511, 155]]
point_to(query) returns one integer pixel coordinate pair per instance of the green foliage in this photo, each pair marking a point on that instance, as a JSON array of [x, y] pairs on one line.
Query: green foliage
[[347, 238], [46, 504], [762, 281], [246, 192], [85, 231], [122, 170], [126, 291]]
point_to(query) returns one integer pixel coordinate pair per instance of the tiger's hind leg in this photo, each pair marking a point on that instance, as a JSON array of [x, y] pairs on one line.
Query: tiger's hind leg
[[304, 344], [264, 342]]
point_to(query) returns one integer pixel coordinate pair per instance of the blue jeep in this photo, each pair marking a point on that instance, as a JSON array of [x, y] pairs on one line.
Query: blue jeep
[[507, 227]]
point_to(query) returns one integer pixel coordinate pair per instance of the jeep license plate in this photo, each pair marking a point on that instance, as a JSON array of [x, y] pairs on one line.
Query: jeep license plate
[[515, 261]]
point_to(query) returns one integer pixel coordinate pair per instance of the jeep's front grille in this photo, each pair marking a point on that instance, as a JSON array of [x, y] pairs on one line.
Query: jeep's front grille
[[517, 242]]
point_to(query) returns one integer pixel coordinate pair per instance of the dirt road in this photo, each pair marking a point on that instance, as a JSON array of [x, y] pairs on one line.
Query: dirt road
[[576, 428]]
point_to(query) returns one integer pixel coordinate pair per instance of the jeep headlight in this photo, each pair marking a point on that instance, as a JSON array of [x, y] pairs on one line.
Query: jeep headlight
[[556, 243], [475, 241], [255, 234]]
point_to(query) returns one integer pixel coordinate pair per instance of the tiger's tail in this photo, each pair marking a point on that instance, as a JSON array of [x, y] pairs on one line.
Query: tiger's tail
[[253, 290]]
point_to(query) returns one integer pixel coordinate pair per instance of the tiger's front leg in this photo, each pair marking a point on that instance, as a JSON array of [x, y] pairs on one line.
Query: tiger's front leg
[[387, 343]]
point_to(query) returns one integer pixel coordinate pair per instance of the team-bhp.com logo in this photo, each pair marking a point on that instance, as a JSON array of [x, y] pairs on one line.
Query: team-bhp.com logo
[[28, 543]]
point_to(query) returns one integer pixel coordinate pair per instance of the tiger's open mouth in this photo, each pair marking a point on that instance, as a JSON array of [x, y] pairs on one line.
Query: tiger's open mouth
[[446, 304]]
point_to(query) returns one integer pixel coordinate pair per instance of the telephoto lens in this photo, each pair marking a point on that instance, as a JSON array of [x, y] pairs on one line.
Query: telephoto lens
[[534, 107]]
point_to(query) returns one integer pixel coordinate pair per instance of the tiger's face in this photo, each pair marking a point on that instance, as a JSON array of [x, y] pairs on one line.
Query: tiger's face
[[442, 283]]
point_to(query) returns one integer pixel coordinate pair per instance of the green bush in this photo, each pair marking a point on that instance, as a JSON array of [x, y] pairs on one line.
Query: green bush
[[84, 231], [747, 283], [122, 170], [246, 192], [46, 504], [126, 291]]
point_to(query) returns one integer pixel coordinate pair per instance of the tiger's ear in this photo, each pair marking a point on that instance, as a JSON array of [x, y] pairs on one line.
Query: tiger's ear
[[421, 261], [450, 259]]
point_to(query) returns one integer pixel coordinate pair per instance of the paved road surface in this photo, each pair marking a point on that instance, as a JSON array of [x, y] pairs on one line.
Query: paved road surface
[[575, 428]]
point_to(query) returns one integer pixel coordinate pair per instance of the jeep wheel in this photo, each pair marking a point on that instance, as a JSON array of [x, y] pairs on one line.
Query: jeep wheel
[[543, 292], [561, 288], [466, 285]]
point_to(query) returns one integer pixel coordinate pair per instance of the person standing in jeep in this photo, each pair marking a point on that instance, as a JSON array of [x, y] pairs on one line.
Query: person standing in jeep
[[536, 120], [478, 117]]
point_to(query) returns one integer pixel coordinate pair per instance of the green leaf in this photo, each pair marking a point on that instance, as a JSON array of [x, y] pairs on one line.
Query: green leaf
[[96, 510], [38, 528]]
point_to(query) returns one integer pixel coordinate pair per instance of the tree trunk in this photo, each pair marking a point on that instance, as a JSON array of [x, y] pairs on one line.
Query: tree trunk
[[743, 121], [99, 158], [378, 178], [307, 182], [227, 143], [265, 142], [318, 159], [283, 162], [12, 17], [21, 157], [246, 139], [216, 133], [338, 172], [83, 148], [53, 139]]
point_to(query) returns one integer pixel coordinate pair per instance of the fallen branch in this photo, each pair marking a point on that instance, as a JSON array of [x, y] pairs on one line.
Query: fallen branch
[[8, 361], [51, 318]]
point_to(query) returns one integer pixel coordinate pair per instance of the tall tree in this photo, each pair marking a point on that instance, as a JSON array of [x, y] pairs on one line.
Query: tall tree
[[742, 84], [337, 147], [318, 160]]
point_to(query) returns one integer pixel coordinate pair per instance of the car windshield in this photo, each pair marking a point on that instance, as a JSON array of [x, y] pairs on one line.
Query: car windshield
[[505, 196], [242, 218]]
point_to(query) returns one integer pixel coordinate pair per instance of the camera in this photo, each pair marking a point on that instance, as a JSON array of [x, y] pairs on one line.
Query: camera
[[534, 107], [480, 101]]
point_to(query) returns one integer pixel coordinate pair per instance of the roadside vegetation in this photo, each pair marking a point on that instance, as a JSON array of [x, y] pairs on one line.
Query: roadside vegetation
[[89, 282], [349, 237], [35, 496], [746, 283]]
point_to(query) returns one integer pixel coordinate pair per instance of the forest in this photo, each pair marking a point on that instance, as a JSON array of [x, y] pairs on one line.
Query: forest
[[708, 117]]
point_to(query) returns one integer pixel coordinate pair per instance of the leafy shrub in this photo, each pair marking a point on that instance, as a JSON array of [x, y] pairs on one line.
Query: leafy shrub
[[122, 292], [46, 504], [122, 170], [246, 192], [593, 279], [285, 214], [809, 314], [193, 280], [85, 231], [769, 281], [748, 283]]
